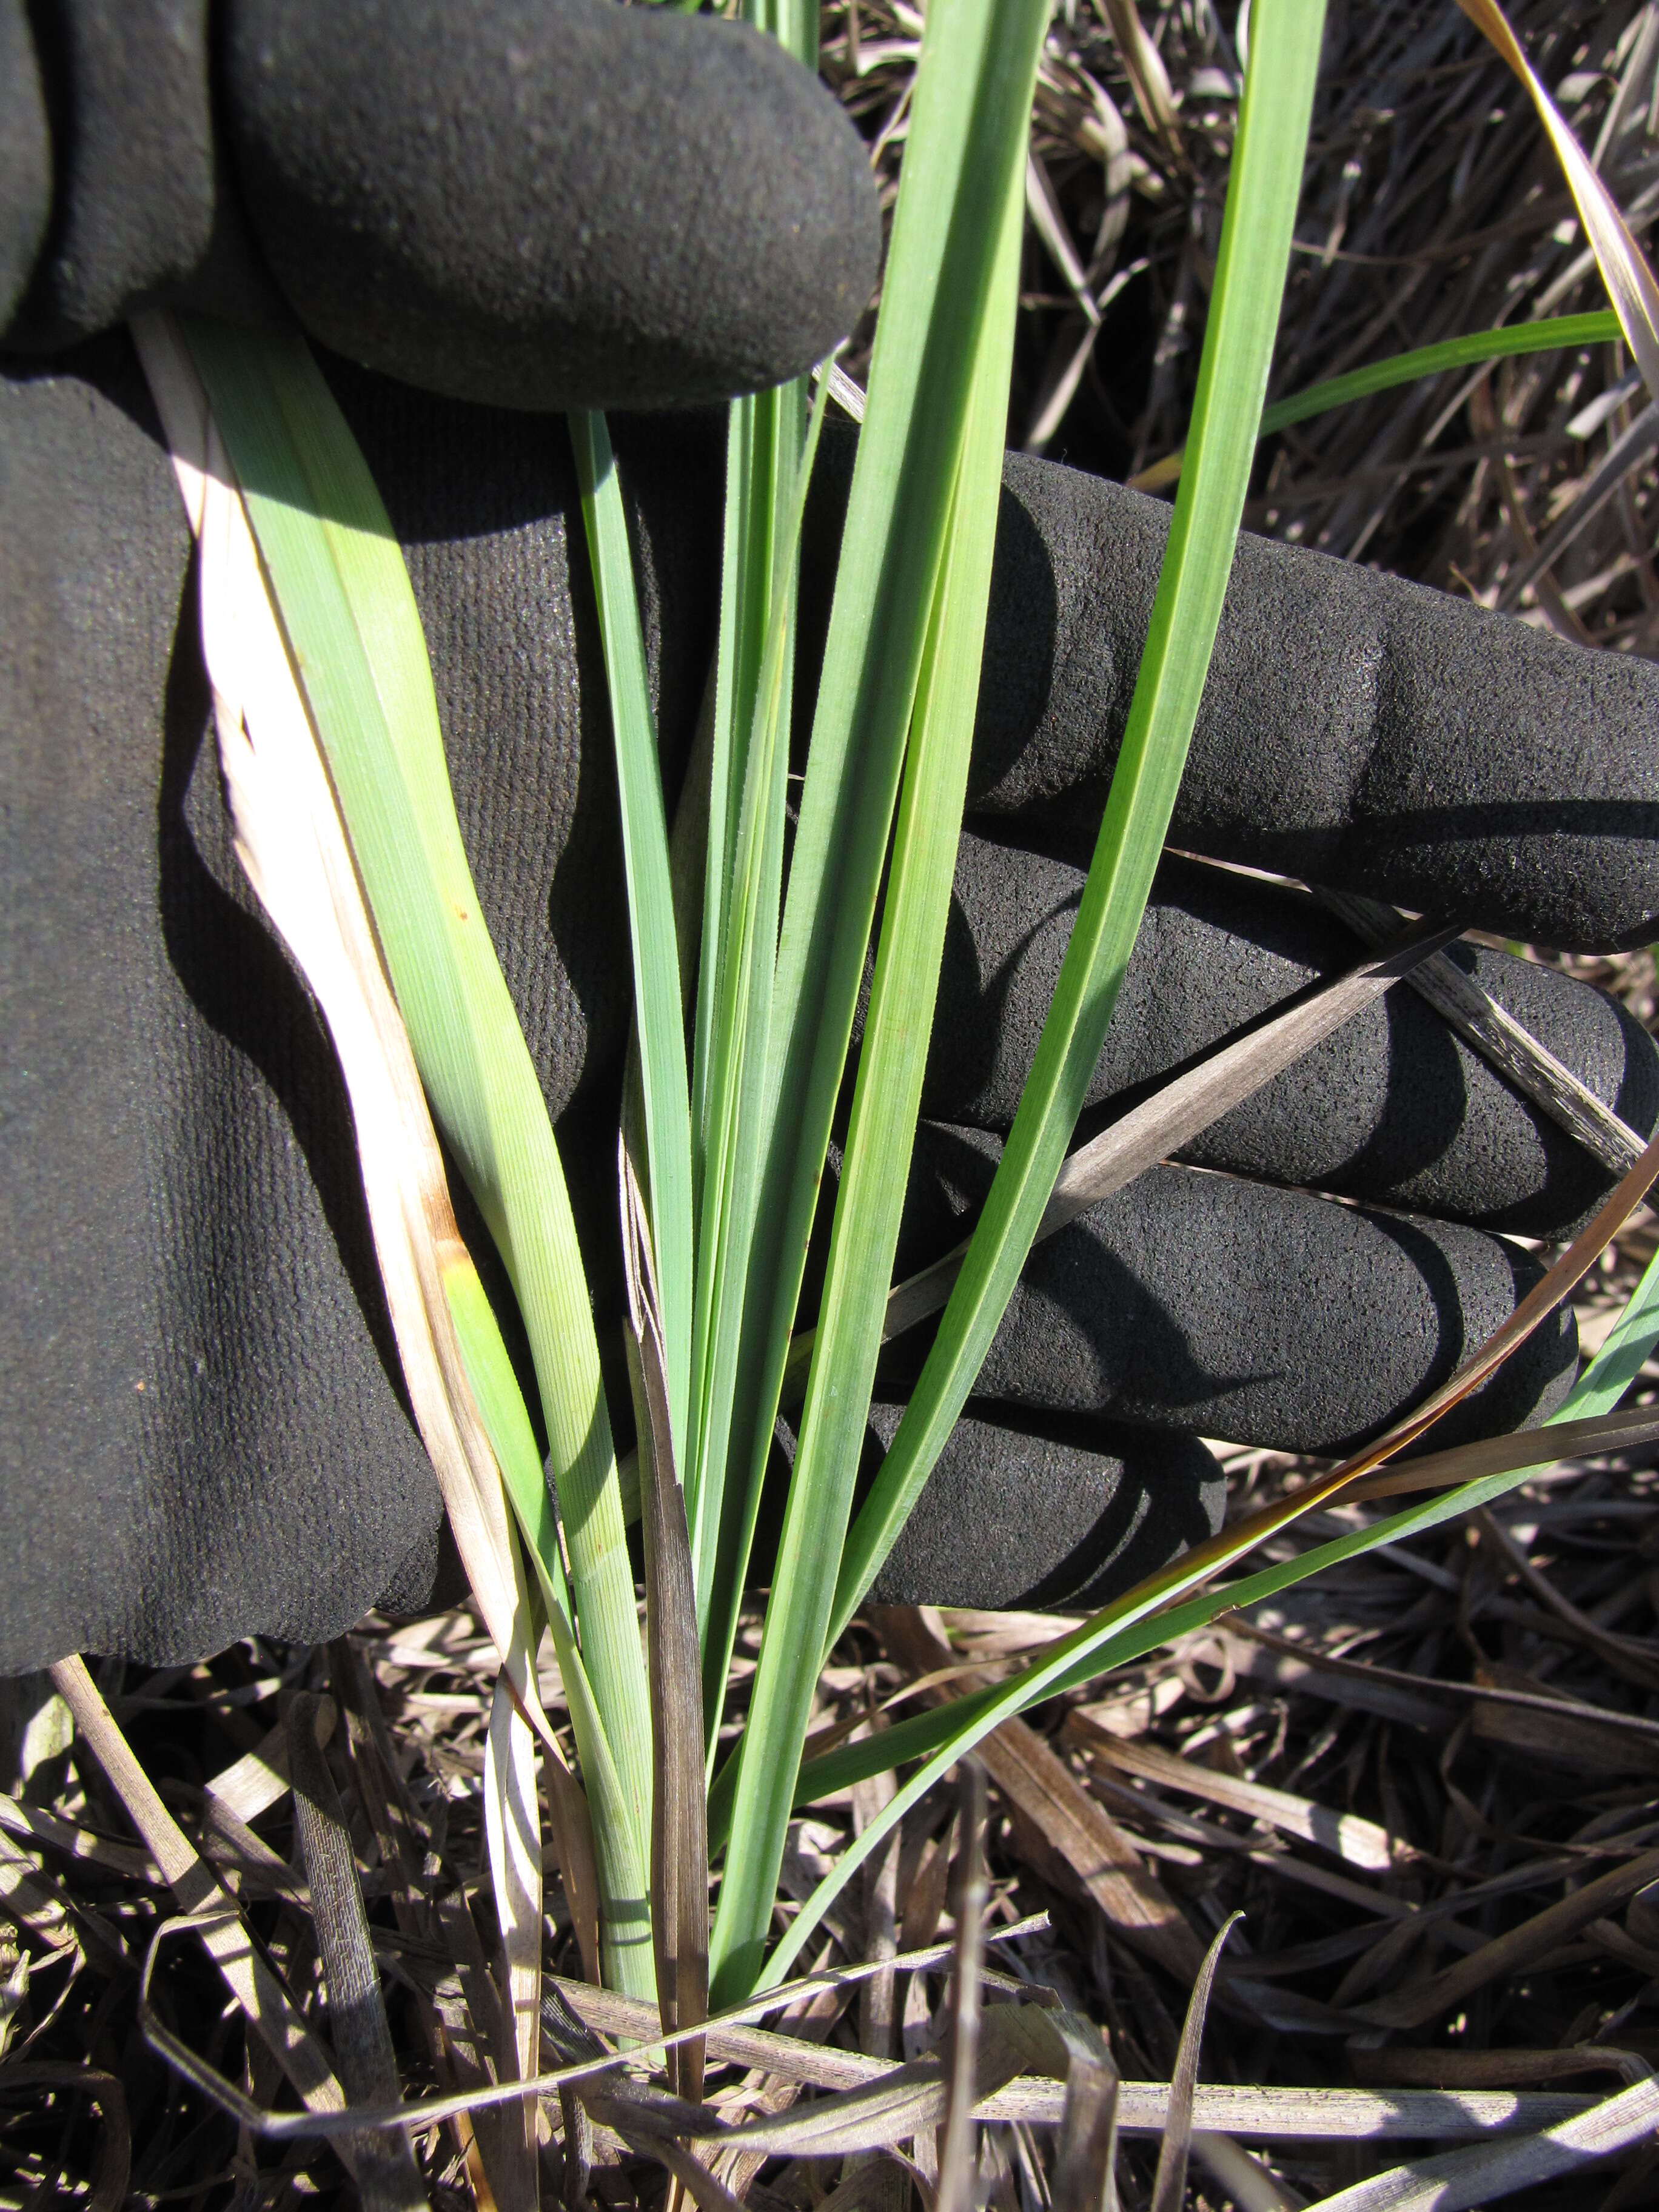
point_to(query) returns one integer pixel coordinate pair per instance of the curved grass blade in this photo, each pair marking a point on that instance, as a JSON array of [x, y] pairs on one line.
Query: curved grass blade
[[1170, 2186], [1255, 240], [660, 1026], [1622, 1357], [943, 684], [1562, 332], [293, 847], [337, 576]]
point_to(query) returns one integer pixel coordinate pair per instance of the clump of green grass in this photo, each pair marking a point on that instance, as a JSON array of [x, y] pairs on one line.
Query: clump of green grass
[[727, 1129]]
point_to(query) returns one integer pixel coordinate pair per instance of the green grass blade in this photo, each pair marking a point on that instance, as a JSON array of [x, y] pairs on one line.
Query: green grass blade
[[1238, 342], [660, 1023], [339, 579], [968, 111], [1622, 1357], [743, 1022], [624, 1921], [740, 908], [765, 473], [876, 1168], [1562, 332], [923, 1733], [756, 451]]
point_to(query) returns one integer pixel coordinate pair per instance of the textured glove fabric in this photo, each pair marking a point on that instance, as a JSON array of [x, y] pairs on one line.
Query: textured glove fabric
[[540, 202], [202, 1433], [24, 157], [1356, 730], [1056, 1513], [1199, 1302]]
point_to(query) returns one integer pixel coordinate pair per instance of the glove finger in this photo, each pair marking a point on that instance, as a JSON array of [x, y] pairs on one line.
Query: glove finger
[[1204, 1304], [1355, 729], [1392, 1106], [550, 203], [1066, 1515]]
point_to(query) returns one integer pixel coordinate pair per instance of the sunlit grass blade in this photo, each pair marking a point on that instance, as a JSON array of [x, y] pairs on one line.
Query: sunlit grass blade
[[1562, 333], [742, 1019], [1624, 266], [1243, 320], [763, 436], [337, 575], [920, 650], [936, 283], [886, 1100], [657, 999], [293, 847], [765, 432], [1623, 1355], [766, 471]]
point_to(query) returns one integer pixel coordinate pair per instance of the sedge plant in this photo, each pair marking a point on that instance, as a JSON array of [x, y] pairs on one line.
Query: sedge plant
[[746, 977]]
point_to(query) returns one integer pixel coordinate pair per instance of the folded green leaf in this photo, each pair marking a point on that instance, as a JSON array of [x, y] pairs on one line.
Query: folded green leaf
[[338, 576]]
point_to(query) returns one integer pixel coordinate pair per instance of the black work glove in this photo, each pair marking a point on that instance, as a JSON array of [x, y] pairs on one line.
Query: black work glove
[[204, 1429]]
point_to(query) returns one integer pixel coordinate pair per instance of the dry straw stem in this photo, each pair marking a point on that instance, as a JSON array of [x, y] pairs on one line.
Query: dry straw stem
[[361, 2034], [1624, 266], [1458, 2181], [679, 1811], [210, 1911], [512, 1828], [1500, 1039]]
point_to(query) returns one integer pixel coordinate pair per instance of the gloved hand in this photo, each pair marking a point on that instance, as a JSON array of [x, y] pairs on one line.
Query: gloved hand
[[203, 1430]]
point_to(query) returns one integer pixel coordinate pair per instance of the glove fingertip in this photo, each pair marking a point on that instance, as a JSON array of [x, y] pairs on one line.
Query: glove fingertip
[[546, 203]]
